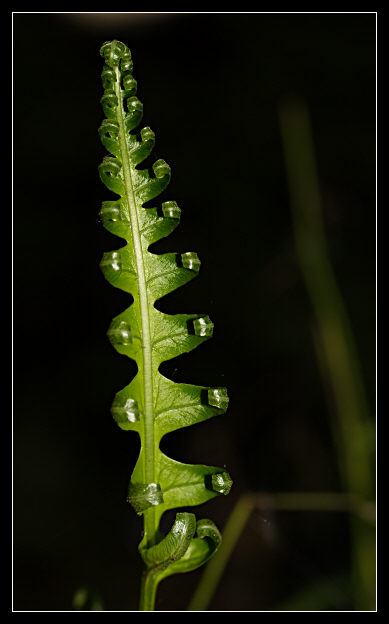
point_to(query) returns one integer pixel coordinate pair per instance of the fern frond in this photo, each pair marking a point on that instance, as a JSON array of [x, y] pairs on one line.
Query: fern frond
[[153, 405]]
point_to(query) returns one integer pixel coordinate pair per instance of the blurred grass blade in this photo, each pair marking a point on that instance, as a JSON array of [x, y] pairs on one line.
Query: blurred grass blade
[[84, 600], [280, 501], [215, 568], [353, 427], [324, 595]]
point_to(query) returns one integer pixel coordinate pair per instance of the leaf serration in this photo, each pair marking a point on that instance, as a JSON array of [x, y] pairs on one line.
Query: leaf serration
[[151, 404]]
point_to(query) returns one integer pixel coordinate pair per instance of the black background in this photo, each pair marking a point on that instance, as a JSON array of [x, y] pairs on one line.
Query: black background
[[211, 85]]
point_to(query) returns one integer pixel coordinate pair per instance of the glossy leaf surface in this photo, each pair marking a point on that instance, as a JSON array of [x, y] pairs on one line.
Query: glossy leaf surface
[[151, 404]]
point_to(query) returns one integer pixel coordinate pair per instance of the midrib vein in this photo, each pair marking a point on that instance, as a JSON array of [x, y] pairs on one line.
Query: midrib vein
[[148, 420]]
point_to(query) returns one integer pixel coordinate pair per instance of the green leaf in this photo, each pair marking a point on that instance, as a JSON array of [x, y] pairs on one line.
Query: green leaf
[[151, 404]]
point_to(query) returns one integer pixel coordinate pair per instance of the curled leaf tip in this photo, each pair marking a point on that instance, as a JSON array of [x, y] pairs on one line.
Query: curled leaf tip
[[207, 528], [171, 210], [161, 168], [174, 545], [221, 482], [218, 397], [190, 260], [115, 51], [203, 326]]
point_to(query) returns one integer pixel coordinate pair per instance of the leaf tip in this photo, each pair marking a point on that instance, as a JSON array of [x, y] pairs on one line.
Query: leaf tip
[[221, 482]]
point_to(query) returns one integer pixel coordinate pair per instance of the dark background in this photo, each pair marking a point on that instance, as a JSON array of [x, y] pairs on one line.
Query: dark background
[[211, 85]]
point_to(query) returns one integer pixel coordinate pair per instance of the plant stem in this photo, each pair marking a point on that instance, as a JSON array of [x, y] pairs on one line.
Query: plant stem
[[147, 598], [148, 591], [148, 416]]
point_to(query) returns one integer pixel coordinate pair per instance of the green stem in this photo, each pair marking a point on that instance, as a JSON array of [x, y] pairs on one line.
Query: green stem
[[148, 591], [148, 412]]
